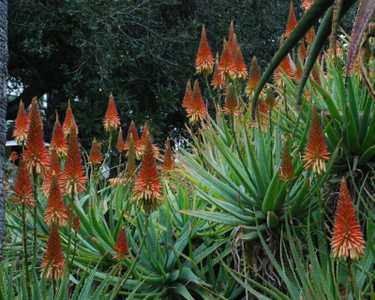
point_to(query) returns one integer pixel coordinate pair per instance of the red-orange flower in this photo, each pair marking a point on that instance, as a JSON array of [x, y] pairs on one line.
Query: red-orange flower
[[306, 4], [217, 81], [56, 212], [254, 77], [112, 117], [231, 104], [287, 67], [168, 163], [286, 168], [74, 175], [145, 137], [198, 107], [310, 35], [35, 154], [53, 169], [21, 127], [316, 153], [292, 20], [23, 191], [13, 156], [227, 64], [53, 260], [188, 97], [69, 121], [241, 67], [204, 61], [347, 239], [96, 156], [121, 247], [120, 144], [147, 187], [132, 131], [58, 140]]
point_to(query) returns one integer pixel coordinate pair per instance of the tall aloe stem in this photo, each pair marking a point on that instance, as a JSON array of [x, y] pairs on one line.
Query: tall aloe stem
[[26, 257], [35, 216]]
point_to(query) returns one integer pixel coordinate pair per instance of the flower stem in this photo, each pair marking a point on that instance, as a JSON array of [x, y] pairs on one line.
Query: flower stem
[[35, 215], [24, 242]]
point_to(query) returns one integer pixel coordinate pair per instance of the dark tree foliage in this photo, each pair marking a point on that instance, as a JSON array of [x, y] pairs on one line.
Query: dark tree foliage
[[142, 51]]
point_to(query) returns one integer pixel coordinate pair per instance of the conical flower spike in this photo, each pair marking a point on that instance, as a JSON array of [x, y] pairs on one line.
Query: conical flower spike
[[54, 169], [23, 191], [120, 144], [231, 104], [306, 4], [21, 127], [198, 107], [316, 153], [35, 154], [96, 156], [56, 212], [204, 63], [347, 240], [69, 121], [292, 20], [112, 117], [188, 97], [168, 163], [121, 247], [58, 140], [147, 187], [53, 260], [254, 77], [74, 175]]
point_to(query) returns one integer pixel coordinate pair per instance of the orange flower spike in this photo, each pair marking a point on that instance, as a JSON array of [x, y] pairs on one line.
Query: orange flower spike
[[306, 4], [21, 127], [53, 260], [69, 121], [286, 168], [54, 169], [132, 131], [217, 81], [120, 144], [231, 105], [227, 65], [96, 156], [112, 117], [56, 212], [23, 191], [147, 187], [204, 62], [188, 97], [347, 239], [58, 140], [168, 163], [287, 67], [254, 77], [74, 175], [241, 68], [121, 247], [292, 20], [198, 107], [35, 154], [310, 35], [316, 153], [146, 136]]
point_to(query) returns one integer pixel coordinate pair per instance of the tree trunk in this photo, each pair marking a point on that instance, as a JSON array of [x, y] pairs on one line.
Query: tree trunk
[[3, 106]]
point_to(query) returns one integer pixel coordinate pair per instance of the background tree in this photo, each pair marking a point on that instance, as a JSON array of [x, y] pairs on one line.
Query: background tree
[[3, 107], [142, 51]]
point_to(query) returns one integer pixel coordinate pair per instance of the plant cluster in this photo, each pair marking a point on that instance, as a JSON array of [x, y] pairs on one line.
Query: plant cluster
[[276, 205]]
